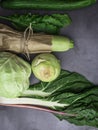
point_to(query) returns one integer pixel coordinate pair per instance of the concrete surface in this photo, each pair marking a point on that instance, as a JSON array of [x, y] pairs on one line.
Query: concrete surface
[[83, 59]]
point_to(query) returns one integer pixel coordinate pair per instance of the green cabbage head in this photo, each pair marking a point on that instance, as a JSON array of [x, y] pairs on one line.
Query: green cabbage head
[[14, 75]]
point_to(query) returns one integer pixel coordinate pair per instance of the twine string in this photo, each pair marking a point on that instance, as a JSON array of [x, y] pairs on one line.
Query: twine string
[[28, 33]]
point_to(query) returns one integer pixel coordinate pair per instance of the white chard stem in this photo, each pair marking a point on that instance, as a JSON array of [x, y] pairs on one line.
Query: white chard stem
[[31, 101]]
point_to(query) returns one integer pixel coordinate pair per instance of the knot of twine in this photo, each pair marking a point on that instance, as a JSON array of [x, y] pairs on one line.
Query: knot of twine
[[28, 33]]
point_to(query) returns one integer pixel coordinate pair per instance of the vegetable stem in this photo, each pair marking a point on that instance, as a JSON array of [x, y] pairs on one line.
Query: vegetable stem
[[31, 101], [35, 92], [39, 108]]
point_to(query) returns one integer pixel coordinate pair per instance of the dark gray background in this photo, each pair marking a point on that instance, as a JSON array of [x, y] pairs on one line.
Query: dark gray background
[[83, 59]]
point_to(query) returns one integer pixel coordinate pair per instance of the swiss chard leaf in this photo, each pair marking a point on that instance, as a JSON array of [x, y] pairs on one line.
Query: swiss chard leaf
[[50, 24], [67, 82], [74, 95]]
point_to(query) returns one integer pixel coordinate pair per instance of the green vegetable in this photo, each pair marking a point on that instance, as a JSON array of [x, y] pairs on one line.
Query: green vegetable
[[71, 93], [14, 75], [27, 43], [74, 92], [50, 24], [46, 67], [61, 43], [46, 4]]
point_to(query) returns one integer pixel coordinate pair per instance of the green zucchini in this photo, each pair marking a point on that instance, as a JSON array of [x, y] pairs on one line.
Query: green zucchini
[[46, 4], [50, 24]]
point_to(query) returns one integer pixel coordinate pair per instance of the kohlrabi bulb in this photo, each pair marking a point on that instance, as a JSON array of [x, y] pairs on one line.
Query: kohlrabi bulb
[[46, 67]]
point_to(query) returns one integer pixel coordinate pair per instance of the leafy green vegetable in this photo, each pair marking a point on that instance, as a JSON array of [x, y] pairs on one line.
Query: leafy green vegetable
[[79, 95], [67, 82], [46, 4], [71, 93], [86, 109], [40, 23], [14, 75]]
